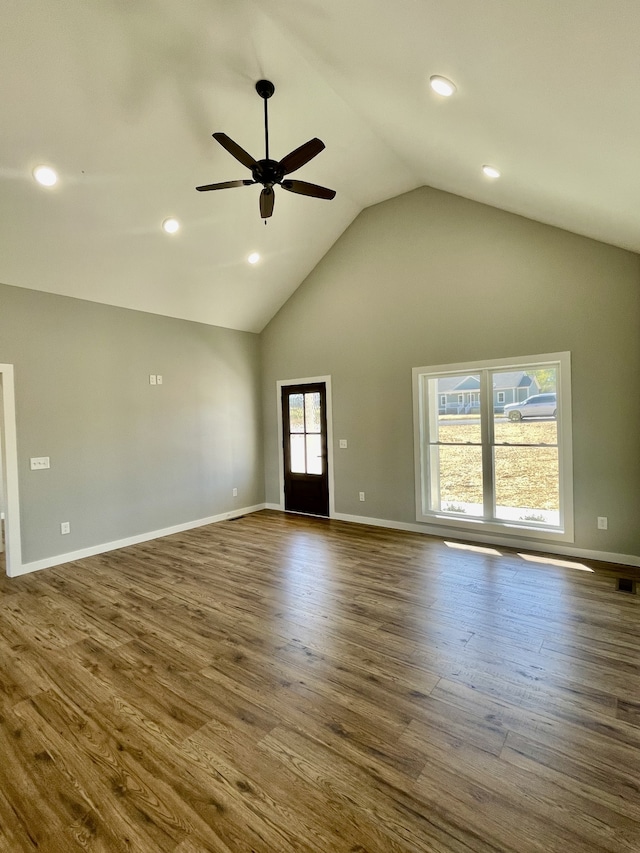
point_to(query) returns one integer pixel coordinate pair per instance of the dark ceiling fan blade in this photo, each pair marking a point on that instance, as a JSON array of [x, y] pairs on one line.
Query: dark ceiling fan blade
[[305, 188], [224, 186], [267, 200], [234, 149], [301, 155]]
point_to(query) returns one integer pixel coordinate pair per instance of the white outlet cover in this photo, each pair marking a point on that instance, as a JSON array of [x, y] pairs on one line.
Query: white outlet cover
[[159, 379], [152, 379]]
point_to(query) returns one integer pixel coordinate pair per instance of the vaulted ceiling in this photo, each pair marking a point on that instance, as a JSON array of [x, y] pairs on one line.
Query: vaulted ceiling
[[121, 98]]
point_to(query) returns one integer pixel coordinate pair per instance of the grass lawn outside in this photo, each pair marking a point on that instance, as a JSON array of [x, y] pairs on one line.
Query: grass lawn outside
[[526, 477]]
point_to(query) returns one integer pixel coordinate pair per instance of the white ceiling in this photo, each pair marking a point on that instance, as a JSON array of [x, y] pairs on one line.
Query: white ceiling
[[122, 96]]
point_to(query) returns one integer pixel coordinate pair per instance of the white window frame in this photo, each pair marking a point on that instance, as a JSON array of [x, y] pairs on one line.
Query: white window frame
[[564, 532], [501, 397]]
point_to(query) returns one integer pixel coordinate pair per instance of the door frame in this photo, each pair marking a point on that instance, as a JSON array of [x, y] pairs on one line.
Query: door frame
[[309, 380], [13, 543]]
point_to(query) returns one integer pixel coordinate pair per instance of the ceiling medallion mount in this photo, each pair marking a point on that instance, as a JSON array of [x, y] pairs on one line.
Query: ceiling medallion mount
[[265, 88], [271, 173]]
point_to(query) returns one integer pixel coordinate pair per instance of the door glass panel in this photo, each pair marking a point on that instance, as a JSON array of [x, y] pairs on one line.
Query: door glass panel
[[312, 411], [314, 454], [527, 487], [296, 413], [297, 453], [456, 479], [306, 482]]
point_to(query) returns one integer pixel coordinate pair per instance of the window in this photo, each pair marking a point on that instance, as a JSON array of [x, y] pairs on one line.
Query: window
[[305, 433], [508, 471], [500, 397], [443, 399]]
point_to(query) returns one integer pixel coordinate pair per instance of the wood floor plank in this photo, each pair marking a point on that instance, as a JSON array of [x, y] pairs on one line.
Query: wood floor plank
[[528, 807], [401, 815], [621, 792], [601, 740], [281, 684], [31, 780], [335, 823], [140, 804], [331, 720]]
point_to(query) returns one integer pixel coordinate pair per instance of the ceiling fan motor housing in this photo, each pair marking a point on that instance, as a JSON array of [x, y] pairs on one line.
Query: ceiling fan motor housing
[[267, 172]]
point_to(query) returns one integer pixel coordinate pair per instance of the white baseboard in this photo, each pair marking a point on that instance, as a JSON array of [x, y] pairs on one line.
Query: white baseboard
[[60, 559], [527, 544], [491, 539]]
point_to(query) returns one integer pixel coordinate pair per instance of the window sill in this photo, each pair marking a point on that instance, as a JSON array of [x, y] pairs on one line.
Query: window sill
[[508, 528]]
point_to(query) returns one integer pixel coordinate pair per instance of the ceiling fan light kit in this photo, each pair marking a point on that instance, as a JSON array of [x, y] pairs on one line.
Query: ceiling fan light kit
[[271, 173]]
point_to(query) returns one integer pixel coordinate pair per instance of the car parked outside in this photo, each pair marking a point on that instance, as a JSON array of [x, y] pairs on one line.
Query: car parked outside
[[538, 406]]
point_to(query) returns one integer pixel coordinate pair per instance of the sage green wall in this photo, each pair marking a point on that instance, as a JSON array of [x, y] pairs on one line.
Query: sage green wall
[[127, 458], [431, 278]]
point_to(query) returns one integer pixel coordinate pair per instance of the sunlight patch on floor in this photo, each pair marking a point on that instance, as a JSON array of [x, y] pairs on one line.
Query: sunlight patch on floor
[[462, 546], [552, 561]]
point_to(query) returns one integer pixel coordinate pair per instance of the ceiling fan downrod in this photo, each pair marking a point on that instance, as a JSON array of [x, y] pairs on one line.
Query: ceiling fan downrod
[[265, 89]]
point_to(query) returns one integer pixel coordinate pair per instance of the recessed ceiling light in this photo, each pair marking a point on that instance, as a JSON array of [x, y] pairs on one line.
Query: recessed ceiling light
[[442, 86], [491, 171], [253, 258], [45, 175], [171, 225]]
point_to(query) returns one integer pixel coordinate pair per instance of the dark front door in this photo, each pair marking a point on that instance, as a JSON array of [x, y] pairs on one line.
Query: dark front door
[[304, 429]]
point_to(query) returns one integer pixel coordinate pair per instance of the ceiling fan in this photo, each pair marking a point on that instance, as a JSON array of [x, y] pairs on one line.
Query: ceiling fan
[[271, 173]]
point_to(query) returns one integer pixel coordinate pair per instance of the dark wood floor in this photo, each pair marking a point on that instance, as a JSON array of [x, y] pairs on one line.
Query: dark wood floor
[[277, 684]]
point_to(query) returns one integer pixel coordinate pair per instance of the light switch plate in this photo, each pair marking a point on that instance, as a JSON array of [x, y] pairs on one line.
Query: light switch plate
[[152, 379], [39, 462], [343, 443]]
